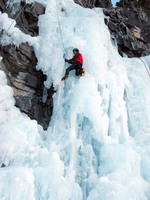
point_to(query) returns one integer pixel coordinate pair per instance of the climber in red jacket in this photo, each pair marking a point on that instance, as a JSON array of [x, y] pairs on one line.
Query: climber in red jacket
[[77, 62]]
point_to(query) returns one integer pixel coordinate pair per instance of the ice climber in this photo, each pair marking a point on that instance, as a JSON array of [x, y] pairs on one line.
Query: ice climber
[[76, 64]]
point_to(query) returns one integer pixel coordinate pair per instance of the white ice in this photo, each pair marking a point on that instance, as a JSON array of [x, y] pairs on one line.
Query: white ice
[[97, 146]]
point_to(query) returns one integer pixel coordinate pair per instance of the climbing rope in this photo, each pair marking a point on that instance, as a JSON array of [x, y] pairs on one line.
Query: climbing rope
[[60, 28], [145, 66], [16, 17]]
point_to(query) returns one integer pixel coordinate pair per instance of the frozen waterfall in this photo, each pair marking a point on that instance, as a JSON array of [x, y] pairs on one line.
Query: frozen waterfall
[[97, 146]]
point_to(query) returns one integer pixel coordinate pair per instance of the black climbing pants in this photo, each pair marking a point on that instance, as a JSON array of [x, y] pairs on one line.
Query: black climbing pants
[[75, 66]]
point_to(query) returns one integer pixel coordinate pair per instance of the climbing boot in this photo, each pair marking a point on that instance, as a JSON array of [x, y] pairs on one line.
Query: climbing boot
[[83, 72], [65, 78]]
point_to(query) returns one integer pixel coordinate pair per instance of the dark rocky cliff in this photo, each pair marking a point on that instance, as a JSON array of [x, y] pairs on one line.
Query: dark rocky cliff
[[94, 3], [129, 23], [19, 64]]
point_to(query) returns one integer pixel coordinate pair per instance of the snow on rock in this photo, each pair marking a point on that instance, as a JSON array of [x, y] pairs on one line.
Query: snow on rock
[[18, 133], [12, 34], [97, 143]]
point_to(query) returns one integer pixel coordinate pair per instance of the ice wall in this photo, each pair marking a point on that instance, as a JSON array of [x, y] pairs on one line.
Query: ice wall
[[97, 143]]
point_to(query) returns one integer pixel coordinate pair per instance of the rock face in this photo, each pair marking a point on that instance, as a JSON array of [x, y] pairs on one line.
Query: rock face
[[27, 83], [94, 3], [28, 18], [27, 15], [19, 65], [129, 22]]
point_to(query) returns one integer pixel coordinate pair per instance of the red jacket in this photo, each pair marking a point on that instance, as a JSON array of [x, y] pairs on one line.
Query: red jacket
[[79, 58]]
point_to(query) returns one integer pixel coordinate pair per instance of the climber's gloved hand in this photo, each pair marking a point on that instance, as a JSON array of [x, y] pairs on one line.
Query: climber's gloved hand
[[66, 60]]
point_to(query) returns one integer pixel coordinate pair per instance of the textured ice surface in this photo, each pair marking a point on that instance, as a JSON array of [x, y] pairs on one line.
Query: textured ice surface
[[97, 146]]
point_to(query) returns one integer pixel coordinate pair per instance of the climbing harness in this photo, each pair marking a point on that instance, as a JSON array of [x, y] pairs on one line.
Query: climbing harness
[[148, 72]]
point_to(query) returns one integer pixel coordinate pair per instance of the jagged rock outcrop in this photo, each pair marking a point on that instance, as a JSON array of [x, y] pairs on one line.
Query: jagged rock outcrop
[[28, 18], [129, 22], [19, 64], [27, 15], [27, 83], [94, 3]]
